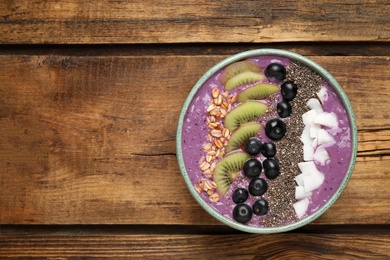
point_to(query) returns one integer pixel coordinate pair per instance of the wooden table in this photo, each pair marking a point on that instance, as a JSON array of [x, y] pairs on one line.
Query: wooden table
[[90, 94]]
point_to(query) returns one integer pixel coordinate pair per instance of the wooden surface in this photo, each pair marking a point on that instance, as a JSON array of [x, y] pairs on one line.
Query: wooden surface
[[90, 95]]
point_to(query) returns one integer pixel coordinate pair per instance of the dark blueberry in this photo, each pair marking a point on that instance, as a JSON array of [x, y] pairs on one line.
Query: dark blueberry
[[284, 108], [271, 168], [275, 72], [252, 168], [275, 129], [268, 149], [242, 213], [253, 146], [260, 207], [240, 195], [288, 90], [258, 187]]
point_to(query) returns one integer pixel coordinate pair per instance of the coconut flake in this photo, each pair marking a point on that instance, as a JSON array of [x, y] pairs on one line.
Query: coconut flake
[[305, 136], [321, 155], [308, 152], [313, 181], [323, 137], [315, 104], [322, 94], [327, 119], [301, 207], [307, 167], [309, 117], [301, 194], [314, 130]]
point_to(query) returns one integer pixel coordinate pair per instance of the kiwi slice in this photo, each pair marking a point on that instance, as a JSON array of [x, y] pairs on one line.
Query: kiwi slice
[[227, 170], [236, 68], [243, 78], [241, 135], [259, 91], [246, 112]]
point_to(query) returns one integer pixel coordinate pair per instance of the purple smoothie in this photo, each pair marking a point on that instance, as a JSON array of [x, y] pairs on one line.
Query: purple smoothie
[[194, 137]]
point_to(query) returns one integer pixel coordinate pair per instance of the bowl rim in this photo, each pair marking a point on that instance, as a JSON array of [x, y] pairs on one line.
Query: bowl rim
[[326, 76]]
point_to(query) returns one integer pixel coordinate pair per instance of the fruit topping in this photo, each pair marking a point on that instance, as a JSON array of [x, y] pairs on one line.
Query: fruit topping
[[271, 168], [236, 68], [241, 135], [288, 90], [327, 119], [243, 78], [253, 146], [260, 207], [240, 195], [275, 129], [268, 149], [275, 72], [321, 155], [227, 170], [252, 168], [283, 108], [257, 186], [246, 112], [242, 213], [257, 92], [315, 104], [301, 206]]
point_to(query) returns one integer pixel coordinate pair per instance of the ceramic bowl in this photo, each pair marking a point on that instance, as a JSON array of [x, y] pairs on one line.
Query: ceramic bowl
[[327, 77]]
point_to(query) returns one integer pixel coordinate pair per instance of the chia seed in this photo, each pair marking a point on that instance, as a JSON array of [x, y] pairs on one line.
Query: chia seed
[[281, 191]]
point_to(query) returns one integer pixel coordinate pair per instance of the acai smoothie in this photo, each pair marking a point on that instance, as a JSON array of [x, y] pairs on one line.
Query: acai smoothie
[[266, 141]]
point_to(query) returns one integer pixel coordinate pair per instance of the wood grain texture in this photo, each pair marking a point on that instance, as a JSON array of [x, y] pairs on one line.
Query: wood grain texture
[[90, 140], [238, 246], [148, 21]]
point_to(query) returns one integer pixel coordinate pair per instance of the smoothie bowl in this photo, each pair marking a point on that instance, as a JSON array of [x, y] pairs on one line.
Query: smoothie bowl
[[266, 141]]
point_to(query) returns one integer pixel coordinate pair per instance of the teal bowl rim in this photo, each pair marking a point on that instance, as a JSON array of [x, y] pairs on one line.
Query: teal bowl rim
[[339, 91]]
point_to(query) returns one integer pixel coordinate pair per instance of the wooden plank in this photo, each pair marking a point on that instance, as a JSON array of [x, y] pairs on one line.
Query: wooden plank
[[237, 246], [91, 140], [75, 21]]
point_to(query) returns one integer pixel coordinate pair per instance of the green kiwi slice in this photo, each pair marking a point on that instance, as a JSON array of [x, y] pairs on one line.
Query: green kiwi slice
[[227, 170], [243, 78], [257, 92], [241, 135], [248, 111], [236, 68]]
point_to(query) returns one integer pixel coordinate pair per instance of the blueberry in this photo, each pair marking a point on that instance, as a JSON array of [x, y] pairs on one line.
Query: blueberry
[[283, 108], [275, 72], [242, 213], [268, 149], [260, 207], [257, 187], [240, 195], [271, 168], [252, 168], [275, 129], [288, 90], [253, 146]]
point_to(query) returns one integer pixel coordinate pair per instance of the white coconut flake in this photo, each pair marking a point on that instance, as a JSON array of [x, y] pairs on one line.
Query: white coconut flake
[[299, 179], [323, 137], [305, 136], [307, 167], [308, 152], [321, 155], [301, 194], [315, 104], [313, 181], [301, 207], [322, 94], [314, 130], [309, 117], [327, 119]]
